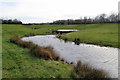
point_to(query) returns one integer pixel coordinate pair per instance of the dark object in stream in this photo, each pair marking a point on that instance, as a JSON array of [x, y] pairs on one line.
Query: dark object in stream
[[77, 41], [65, 39]]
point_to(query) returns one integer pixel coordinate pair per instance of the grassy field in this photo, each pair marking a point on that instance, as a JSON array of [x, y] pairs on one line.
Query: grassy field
[[101, 34], [18, 62]]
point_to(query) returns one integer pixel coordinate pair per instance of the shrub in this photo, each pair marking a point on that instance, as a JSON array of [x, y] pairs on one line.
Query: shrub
[[83, 71]]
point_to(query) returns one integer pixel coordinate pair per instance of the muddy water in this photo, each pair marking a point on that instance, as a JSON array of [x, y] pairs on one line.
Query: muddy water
[[105, 58]]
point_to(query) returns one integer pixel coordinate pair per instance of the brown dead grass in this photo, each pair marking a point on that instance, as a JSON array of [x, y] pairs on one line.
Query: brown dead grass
[[38, 51], [84, 71]]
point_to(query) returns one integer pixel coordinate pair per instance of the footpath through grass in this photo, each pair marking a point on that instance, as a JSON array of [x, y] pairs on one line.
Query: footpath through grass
[[101, 34]]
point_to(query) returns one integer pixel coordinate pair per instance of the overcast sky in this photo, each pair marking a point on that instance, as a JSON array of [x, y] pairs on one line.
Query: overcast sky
[[50, 10]]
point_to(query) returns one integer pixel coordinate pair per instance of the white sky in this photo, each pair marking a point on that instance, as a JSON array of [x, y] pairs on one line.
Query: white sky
[[51, 10]]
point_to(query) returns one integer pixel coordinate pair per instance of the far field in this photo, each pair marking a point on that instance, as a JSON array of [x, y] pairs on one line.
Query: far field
[[100, 34], [18, 62]]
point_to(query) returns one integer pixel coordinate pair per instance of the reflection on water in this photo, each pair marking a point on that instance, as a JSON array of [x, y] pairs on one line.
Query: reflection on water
[[105, 58]]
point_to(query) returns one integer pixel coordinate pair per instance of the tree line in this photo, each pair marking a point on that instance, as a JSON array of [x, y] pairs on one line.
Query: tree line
[[102, 18], [10, 21]]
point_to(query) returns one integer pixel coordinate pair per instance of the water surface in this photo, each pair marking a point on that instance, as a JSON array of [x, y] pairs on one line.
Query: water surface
[[105, 58]]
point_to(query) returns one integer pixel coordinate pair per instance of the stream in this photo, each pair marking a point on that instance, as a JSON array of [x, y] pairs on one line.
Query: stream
[[105, 58]]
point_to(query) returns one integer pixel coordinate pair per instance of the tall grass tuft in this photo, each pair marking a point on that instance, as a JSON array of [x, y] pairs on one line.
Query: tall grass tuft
[[38, 51], [84, 71], [54, 55]]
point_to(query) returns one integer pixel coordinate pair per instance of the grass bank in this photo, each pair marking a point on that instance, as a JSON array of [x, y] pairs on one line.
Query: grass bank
[[18, 62], [101, 34]]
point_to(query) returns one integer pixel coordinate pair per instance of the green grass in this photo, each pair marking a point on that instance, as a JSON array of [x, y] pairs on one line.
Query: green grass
[[19, 63], [101, 34]]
